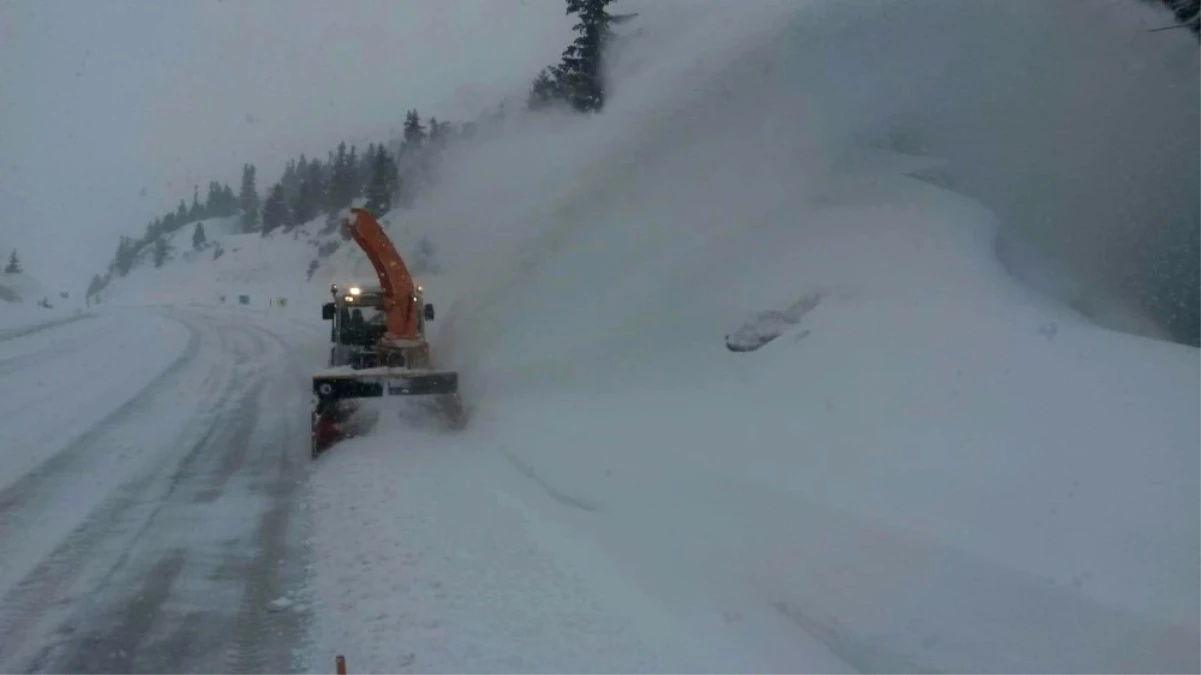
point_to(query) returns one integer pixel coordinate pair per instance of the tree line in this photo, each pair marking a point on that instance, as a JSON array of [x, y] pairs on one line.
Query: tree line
[[383, 177]]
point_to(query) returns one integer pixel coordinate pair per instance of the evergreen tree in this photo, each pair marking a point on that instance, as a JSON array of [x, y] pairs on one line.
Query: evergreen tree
[[310, 195], [544, 92], [14, 264], [181, 215], [354, 174], [384, 182], [340, 189], [291, 180], [229, 202], [97, 284], [327, 173], [248, 200], [414, 133], [160, 251], [198, 238], [580, 74], [197, 211], [412, 160], [275, 209], [212, 202], [127, 250], [439, 132], [366, 167]]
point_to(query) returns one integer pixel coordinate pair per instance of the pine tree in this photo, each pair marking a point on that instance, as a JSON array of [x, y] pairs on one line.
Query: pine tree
[[160, 251], [412, 160], [198, 238], [366, 167], [544, 92], [580, 74], [229, 202], [275, 209], [14, 264], [212, 202], [327, 173], [127, 250], [414, 133], [439, 132], [384, 180], [310, 194], [97, 284], [291, 180], [197, 211], [181, 215], [339, 191], [354, 174], [248, 200]]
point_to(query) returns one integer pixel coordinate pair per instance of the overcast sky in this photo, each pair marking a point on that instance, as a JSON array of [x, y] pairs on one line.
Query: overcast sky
[[111, 111]]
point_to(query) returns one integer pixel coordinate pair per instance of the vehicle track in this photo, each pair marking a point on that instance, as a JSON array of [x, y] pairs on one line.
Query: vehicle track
[[14, 333], [174, 568], [23, 495]]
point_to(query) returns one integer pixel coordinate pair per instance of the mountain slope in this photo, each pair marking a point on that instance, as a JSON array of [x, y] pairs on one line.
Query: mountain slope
[[934, 468]]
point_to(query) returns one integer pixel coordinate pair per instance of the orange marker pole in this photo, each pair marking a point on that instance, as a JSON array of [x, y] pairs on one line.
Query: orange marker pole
[[341, 663]]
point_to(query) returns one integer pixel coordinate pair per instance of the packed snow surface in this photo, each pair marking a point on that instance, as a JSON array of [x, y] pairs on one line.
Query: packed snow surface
[[931, 468]]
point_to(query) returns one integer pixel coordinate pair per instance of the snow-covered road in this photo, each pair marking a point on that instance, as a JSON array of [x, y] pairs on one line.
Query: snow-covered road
[[148, 474]]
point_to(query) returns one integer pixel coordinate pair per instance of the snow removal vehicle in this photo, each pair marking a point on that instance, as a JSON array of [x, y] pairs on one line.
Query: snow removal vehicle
[[378, 344]]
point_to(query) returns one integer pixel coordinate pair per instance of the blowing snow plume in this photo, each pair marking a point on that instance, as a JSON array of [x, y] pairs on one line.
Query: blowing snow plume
[[1069, 121]]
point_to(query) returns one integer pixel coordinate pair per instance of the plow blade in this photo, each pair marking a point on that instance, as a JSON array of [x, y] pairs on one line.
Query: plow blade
[[376, 382], [335, 394]]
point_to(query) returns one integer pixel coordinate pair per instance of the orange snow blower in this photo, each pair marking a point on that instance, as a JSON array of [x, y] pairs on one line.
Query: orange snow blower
[[379, 347]]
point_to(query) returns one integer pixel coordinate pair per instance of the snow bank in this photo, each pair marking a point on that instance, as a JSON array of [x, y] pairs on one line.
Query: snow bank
[[933, 469]]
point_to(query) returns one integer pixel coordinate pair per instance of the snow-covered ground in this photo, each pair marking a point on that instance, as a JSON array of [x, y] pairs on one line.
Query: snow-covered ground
[[19, 309], [932, 468]]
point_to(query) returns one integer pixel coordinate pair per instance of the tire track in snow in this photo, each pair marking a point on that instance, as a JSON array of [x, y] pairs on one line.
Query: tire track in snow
[[236, 463], [526, 469], [14, 333], [21, 494], [17, 353], [276, 566], [121, 627], [46, 585]]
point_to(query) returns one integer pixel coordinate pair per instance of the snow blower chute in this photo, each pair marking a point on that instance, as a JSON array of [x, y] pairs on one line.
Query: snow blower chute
[[379, 348]]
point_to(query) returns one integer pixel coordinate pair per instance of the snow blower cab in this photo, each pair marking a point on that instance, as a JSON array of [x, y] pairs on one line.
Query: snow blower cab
[[378, 344], [358, 322]]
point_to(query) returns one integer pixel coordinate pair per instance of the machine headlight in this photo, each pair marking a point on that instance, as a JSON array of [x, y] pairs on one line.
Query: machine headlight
[[349, 298], [355, 290]]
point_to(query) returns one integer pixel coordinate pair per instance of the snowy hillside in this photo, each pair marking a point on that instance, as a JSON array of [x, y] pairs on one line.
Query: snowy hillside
[[232, 264], [20, 287], [935, 468]]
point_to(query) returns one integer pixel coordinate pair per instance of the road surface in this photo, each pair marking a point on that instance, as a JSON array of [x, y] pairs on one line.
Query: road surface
[[151, 463]]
